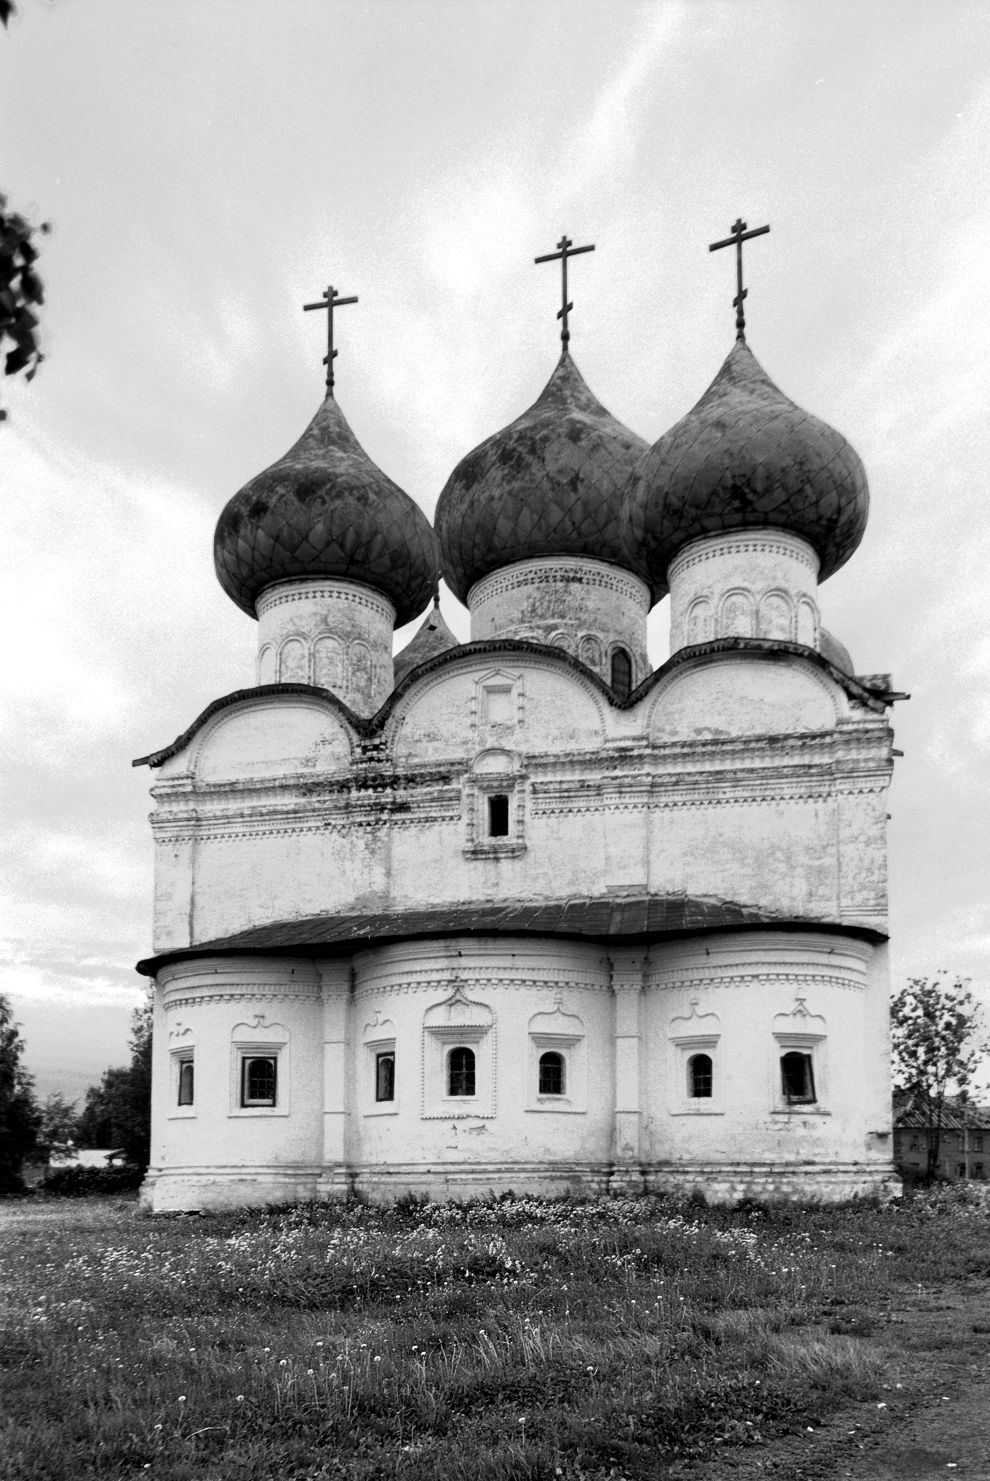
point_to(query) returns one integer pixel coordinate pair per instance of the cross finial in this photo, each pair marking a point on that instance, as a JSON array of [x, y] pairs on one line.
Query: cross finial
[[331, 300], [565, 249], [739, 235]]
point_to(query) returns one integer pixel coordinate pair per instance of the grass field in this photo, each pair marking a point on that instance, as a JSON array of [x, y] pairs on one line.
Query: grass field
[[519, 1338]]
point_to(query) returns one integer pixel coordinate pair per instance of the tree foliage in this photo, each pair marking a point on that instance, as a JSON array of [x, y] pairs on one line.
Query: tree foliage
[[21, 290], [58, 1129], [117, 1112], [19, 1117], [937, 1045]]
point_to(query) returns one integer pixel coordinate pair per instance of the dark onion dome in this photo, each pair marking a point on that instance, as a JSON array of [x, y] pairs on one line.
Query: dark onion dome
[[746, 457], [551, 483], [326, 510], [431, 639], [837, 653]]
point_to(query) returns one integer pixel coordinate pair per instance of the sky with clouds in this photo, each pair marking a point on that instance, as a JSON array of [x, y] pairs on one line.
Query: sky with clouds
[[210, 168]]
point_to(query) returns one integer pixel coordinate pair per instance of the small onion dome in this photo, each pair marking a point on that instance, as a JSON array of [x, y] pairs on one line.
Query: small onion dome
[[326, 510], [747, 458], [837, 653], [432, 638], [551, 483]]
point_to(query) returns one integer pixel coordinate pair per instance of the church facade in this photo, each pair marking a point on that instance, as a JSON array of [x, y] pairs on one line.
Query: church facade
[[520, 913]]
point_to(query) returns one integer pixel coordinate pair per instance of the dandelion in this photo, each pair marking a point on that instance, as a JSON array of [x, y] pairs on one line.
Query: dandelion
[[182, 1398], [240, 1398]]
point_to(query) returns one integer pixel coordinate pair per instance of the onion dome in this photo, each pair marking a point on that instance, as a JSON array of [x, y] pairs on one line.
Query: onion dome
[[837, 653], [551, 483], [326, 510], [746, 457], [431, 639]]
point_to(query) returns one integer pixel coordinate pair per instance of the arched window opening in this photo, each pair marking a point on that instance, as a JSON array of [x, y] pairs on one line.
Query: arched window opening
[[700, 1076], [186, 1082], [797, 1077], [460, 1072], [621, 673], [385, 1076], [552, 1077], [258, 1080]]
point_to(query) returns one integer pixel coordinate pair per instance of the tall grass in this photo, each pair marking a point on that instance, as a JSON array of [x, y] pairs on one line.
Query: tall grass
[[521, 1338]]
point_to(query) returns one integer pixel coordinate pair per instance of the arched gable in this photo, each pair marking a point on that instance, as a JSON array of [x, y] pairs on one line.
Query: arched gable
[[270, 736], [737, 694], [526, 703]]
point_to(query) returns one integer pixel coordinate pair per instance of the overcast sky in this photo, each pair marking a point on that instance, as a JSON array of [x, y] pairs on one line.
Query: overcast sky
[[208, 168]]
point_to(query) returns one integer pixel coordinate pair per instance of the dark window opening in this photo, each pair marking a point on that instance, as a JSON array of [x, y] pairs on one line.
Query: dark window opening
[[258, 1081], [797, 1078], [385, 1076], [551, 1073], [186, 1074], [960, 1169], [460, 1072], [621, 673], [498, 816], [700, 1076]]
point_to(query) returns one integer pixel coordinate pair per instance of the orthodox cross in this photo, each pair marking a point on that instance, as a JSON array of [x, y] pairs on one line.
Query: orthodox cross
[[566, 249], [739, 235], [331, 300]]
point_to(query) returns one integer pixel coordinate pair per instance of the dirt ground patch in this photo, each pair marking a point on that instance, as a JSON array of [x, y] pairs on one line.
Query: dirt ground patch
[[933, 1420]]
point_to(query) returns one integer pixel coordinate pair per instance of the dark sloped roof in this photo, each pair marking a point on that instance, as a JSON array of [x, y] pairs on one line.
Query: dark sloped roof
[[910, 1114], [643, 917]]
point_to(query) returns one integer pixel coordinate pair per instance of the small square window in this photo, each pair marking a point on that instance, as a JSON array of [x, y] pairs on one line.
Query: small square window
[[385, 1076], [186, 1078], [259, 1080], [797, 1078], [498, 816]]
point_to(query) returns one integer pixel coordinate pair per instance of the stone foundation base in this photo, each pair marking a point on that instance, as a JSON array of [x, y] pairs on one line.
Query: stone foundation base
[[202, 1190], [768, 1182]]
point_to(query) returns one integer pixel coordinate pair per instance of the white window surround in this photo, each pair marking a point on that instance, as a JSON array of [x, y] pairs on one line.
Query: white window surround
[[574, 1100], [804, 1033], [372, 1106], [813, 1045], [178, 1057], [690, 1034], [260, 1040], [495, 773], [683, 1048], [458, 1022]]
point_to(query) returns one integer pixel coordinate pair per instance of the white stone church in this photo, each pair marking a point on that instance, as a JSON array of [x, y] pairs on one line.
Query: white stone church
[[522, 913]]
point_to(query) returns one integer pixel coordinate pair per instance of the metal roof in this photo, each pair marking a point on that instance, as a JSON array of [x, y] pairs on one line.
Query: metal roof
[[626, 917]]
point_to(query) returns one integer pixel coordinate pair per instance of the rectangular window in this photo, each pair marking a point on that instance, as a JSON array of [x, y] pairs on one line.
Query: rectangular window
[[498, 816], [186, 1080], [385, 1076], [976, 1144], [259, 1080], [960, 1169], [797, 1078]]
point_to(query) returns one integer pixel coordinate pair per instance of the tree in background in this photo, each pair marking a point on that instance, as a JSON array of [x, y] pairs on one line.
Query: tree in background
[[19, 1116], [937, 1045], [20, 286], [117, 1112], [58, 1129]]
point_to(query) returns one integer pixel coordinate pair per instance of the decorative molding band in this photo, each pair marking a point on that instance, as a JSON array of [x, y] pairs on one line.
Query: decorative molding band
[[282, 593], [710, 547], [479, 980], [807, 976], [569, 571], [189, 998]]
